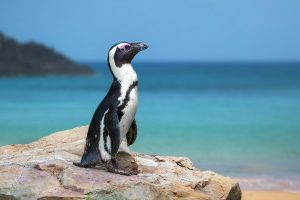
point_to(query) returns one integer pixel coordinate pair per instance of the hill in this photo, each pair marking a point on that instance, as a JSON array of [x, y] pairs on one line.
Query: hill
[[32, 58]]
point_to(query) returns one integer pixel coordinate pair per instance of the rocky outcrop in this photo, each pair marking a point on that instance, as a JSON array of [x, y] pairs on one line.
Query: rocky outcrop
[[32, 58], [44, 170]]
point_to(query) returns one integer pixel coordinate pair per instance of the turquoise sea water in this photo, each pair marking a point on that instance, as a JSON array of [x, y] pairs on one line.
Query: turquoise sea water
[[238, 119]]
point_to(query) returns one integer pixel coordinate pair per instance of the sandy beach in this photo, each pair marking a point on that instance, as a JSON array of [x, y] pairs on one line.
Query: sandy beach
[[270, 195]]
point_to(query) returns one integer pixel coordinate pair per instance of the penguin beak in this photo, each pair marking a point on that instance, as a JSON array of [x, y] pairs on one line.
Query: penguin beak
[[139, 46]]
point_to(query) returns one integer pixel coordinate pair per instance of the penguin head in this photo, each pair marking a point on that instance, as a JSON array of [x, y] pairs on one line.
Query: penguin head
[[122, 54]]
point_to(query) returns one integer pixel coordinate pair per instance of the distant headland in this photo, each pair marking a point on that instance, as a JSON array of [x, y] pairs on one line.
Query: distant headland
[[31, 58]]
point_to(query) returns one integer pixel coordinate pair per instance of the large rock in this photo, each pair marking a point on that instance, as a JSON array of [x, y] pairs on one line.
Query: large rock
[[44, 170]]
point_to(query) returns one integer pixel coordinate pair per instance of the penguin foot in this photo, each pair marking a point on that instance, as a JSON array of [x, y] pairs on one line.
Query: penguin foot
[[112, 167]]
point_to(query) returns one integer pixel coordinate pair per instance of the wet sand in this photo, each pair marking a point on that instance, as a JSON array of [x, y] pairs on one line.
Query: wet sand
[[270, 195]]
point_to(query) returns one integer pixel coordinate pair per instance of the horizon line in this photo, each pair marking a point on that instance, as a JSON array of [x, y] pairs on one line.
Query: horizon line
[[198, 61]]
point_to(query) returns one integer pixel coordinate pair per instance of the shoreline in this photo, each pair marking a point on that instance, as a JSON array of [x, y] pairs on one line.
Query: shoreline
[[269, 195], [268, 183], [269, 188]]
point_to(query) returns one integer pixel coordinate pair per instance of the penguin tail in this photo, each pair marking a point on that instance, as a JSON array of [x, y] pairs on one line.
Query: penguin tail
[[90, 158]]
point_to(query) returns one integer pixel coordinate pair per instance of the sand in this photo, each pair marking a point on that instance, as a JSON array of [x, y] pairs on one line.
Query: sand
[[270, 195]]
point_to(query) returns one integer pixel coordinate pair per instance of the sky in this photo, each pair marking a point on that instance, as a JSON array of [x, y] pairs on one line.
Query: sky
[[190, 30]]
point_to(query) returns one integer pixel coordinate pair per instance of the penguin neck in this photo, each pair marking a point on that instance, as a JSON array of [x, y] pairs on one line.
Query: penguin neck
[[124, 74]]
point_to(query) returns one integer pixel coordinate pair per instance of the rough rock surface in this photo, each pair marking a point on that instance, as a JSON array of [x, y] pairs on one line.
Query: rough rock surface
[[44, 170]]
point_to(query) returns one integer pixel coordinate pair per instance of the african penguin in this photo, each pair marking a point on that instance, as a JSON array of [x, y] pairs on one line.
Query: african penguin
[[114, 119]]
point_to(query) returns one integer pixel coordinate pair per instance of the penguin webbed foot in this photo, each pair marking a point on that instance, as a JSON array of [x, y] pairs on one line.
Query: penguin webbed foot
[[113, 167]]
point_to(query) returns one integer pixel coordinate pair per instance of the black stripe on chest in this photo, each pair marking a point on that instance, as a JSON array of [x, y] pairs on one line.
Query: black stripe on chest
[[126, 100]]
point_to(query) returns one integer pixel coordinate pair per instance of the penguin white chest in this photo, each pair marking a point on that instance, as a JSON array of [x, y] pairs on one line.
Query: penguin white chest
[[129, 112]]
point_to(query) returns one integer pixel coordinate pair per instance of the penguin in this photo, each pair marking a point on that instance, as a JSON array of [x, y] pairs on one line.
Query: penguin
[[113, 121]]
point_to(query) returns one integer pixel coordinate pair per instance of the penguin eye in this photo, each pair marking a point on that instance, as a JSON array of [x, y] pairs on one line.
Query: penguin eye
[[127, 46], [124, 47]]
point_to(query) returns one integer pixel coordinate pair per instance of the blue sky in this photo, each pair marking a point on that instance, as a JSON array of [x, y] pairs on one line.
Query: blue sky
[[197, 30]]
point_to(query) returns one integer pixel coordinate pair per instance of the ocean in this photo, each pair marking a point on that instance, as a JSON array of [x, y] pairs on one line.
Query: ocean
[[238, 119]]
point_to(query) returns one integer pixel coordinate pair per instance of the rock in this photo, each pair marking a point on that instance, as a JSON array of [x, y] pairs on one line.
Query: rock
[[32, 58], [44, 170]]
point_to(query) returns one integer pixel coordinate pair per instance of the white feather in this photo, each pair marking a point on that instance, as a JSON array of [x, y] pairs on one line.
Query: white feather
[[104, 154]]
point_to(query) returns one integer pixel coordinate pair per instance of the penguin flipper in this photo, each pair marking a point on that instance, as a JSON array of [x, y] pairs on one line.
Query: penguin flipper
[[112, 121], [113, 130], [132, 133]]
